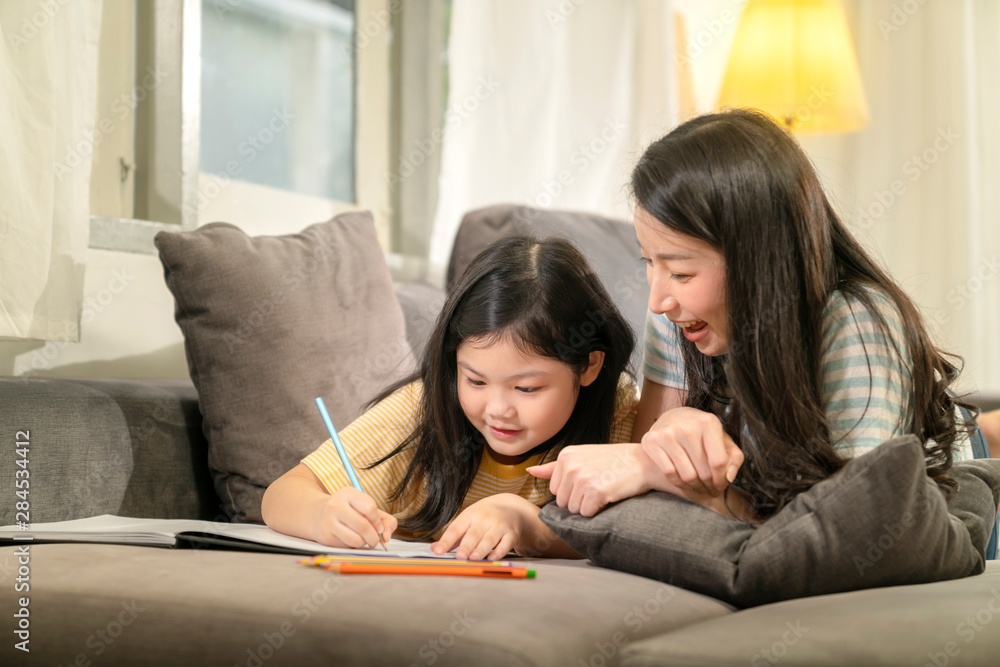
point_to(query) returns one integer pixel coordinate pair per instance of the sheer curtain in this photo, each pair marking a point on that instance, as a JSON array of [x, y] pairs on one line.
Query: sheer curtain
[[535, 84], [48, 83], [549, 104], [919, 185]]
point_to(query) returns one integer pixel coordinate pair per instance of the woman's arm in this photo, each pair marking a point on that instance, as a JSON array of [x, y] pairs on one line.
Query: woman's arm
[[990, 423], [654, 400]]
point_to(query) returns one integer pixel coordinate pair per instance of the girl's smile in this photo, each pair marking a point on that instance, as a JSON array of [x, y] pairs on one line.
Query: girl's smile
[[687, 283], [516, 399]]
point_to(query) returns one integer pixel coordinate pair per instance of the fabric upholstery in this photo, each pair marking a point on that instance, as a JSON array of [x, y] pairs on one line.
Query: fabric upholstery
[[609, 245], [271, 323], [951, 623], [78, 456], [208, 608], [878, 522], [128, 447]]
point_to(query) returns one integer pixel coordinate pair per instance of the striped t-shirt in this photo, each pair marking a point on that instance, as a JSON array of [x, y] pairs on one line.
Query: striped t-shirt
[[865, 383], [382, 428]]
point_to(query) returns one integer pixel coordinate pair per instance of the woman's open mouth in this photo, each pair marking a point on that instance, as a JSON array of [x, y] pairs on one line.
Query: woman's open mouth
[[694, 331]]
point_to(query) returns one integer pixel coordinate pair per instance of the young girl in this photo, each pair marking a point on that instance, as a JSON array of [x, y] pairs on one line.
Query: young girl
[[776, 348], [527, 356]]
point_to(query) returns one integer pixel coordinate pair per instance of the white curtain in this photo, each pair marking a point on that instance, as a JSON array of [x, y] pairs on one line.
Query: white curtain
[[920, 185], [549, 104], [48, 83]]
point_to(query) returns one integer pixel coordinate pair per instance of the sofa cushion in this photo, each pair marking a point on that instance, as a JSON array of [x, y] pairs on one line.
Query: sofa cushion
[[951, 623], [206, 608], [272, 322], [609, 245], [421, 304], [878, 522]]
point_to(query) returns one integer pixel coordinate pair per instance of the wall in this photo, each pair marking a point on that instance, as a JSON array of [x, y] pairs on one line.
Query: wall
[[127, 322]]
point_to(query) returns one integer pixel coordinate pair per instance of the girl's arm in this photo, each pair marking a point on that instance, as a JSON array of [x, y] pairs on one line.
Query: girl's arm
[[297, 504], [490, 528]]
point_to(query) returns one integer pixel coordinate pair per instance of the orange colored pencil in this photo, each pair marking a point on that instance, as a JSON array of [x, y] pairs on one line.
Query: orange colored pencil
[[319, 561], [388, 568]]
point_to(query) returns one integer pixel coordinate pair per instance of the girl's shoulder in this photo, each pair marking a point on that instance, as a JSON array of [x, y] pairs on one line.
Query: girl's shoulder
[[628, 392], [402, 403], [408, 392]]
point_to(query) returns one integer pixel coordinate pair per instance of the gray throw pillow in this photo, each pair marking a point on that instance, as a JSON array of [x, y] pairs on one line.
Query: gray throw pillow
[[272, 322], [880, 521]]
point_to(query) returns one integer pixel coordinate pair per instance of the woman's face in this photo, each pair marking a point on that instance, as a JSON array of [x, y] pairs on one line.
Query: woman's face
[[687, 283]]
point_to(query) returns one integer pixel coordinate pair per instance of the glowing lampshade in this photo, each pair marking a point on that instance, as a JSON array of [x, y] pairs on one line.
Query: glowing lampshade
[[794, 60]]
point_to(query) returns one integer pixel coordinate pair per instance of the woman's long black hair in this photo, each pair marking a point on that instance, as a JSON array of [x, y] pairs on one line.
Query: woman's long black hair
[[543, 296], [739, 182]]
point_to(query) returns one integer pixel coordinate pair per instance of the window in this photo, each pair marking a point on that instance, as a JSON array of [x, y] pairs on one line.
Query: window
[[277, 94], [274, 95], [267, 97]]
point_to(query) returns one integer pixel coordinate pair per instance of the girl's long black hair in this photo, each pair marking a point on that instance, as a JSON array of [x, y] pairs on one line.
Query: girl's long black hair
[[544, 297], [739, 182]]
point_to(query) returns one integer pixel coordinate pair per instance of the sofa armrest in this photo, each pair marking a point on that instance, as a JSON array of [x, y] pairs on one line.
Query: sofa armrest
[[129, 447]]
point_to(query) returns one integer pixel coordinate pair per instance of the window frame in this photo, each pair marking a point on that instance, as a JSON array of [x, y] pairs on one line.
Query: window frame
[[168, 124]]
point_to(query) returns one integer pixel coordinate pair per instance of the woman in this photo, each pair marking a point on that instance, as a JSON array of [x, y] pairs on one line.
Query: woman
[[776, 348]]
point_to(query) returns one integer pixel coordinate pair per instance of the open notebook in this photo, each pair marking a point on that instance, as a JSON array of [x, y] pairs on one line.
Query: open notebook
[[111, 529]]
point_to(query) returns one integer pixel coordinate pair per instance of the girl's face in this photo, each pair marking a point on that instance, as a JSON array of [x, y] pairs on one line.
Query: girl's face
[[517, 400], [687, 283]]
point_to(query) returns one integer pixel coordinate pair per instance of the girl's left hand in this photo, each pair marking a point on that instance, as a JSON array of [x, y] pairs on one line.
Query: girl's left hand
[[488, 529]]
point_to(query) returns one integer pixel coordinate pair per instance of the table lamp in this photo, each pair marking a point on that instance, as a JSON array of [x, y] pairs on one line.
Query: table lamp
[[794, 59]]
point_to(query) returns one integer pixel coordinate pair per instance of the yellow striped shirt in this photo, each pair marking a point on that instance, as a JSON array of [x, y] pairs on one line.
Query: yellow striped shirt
[[381, 429]]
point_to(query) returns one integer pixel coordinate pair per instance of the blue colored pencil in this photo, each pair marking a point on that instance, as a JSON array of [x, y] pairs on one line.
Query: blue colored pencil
[[353, 476]]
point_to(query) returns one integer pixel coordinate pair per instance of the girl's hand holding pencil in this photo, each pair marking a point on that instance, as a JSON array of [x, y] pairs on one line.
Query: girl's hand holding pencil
[[350, 515], [350, 518]]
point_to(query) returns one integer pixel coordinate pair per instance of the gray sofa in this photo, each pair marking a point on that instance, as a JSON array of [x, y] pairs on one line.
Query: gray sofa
[[136, 448]]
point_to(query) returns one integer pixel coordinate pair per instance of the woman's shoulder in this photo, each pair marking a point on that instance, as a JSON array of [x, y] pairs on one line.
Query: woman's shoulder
[[850, 313], [841, 304]]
